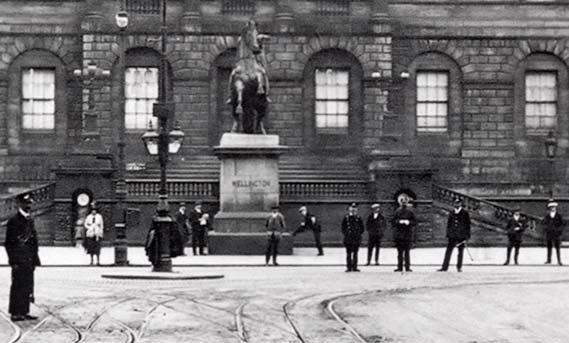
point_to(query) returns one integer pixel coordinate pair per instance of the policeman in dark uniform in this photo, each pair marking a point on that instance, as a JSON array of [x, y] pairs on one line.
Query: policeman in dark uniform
[[352, 228], [22, 249], [553, 227], [375, 226], [404, 222], [309, 222], [515, 229], [458, 232]]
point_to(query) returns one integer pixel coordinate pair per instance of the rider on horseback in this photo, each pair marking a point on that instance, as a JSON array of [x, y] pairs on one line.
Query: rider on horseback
[[252, 55]]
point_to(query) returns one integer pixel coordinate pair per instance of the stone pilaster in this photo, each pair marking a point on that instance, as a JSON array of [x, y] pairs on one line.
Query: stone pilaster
[[93, 17], [380, 22], [191, 20], [284, 17]]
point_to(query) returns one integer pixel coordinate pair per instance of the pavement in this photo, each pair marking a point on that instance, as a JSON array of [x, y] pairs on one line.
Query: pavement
[[75, 256]]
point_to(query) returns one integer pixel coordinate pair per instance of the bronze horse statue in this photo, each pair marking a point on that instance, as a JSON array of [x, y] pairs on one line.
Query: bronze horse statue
[[249, 83]]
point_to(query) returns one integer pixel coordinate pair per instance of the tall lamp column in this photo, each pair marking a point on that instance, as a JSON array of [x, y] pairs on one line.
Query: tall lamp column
[[121, 243], [163, 144]]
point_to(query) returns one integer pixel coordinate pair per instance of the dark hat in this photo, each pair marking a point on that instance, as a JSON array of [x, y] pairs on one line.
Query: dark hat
[[199, 202], [552, 203], [458, 201], [516, 209], [182, 203], [354, 205], [275, 207], [25, 198]]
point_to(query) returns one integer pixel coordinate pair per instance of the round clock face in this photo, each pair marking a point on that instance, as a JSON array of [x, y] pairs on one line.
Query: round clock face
[[83, 199]]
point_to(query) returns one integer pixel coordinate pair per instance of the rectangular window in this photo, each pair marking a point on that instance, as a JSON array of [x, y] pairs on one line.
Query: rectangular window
[[332, 100], [143, 6], [541, 101], [38, 99], [238, 7], [141, 92], [333, 8], [432, 101]]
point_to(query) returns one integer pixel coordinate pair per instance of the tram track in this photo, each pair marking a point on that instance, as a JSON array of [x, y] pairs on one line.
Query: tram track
[[17, 331]]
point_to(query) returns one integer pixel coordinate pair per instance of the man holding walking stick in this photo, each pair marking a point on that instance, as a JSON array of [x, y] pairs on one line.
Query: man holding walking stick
[[458, 232]]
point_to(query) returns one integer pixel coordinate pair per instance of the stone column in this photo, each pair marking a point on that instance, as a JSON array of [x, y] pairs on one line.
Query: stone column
[[284, 17], [191, 18]]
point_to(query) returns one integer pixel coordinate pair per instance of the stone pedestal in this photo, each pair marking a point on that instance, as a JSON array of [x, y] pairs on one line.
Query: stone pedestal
[[249, 186]]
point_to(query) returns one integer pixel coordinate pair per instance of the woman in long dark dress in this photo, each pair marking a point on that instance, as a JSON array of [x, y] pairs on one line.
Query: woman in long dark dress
[[94, 227]]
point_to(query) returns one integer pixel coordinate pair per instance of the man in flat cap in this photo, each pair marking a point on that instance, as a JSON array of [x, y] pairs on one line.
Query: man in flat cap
[[404, 223], [275, 225], [352, 228], [553, 228], [514, 229], [375, 226], [458, 232], [309, 222], [22, 249]]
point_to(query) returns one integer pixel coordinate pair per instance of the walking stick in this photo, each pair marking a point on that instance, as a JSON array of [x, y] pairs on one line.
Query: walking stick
[[467, 250]]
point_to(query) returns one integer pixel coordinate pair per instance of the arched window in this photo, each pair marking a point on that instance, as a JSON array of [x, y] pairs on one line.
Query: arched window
[[434, 94], [541, 95], [36, 99], [333, 99], [141, 87], [221, 118]]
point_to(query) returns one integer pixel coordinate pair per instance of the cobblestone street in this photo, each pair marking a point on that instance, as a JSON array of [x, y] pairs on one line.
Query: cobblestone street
[[297, 304]]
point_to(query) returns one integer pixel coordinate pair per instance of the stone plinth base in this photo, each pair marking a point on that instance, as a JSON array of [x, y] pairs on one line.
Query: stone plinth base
[[221, 243]]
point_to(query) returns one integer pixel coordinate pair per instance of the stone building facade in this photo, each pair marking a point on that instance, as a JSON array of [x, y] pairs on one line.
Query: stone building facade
[[460, 94]]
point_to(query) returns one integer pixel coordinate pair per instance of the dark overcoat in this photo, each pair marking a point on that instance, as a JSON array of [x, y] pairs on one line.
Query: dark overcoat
[[352, 229], [553, 227], [375, 226], [22, 249], [404, 233], [458, 226], [515, 236]]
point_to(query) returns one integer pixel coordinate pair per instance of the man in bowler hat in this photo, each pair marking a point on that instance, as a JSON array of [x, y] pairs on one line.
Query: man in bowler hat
[[404, 222], [458, 232], [375, 226], [22, 249], [553, 227], [352, 228], [309, 222], [197, 219]]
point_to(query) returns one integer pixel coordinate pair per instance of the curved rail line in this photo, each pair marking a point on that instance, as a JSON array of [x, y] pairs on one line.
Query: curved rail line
[[330, 308], [288, 318], [241, 331], [17, 331]]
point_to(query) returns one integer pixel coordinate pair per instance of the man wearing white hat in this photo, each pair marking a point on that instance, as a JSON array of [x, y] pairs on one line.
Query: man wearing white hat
[[309, 222], [553, 228]]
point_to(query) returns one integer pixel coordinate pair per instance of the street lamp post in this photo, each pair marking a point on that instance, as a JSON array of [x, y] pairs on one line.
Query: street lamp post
[[121, 243], [163, 144], [550, 152]]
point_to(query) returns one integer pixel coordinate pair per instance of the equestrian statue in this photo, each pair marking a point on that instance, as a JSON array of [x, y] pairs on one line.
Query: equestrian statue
[[249, 83]]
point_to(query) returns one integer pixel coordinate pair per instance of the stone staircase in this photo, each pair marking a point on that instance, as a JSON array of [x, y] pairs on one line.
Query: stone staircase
[[291, 168], [488, 218], [42, 210]]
